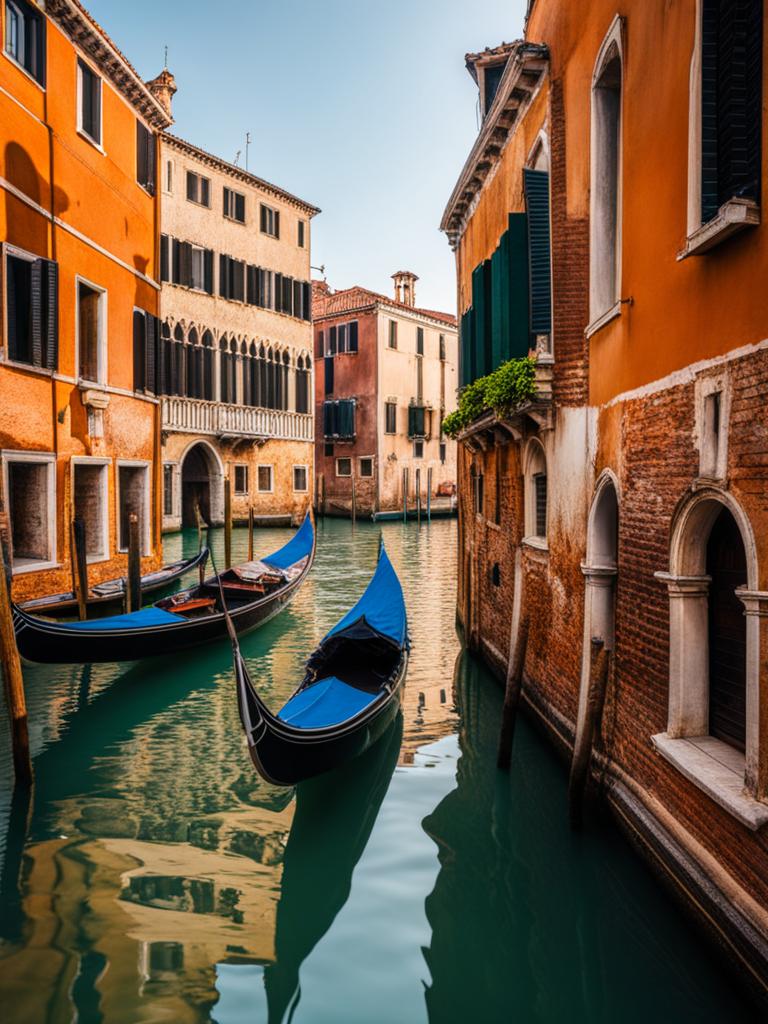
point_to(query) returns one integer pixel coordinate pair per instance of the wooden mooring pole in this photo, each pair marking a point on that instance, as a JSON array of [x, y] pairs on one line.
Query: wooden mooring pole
[[405, 494], [512, 691], [79, 565], [200, 521], [417, 482], [429, 494], [582, 753], [13, 683], [227, 523], [354, 495], [250, 534], [134, 563]]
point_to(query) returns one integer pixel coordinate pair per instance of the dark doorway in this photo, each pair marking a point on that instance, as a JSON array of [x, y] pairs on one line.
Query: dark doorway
[[727, 566], [195, 486]]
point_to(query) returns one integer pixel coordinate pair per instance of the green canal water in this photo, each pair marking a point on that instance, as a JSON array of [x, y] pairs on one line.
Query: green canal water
[[155, 877]]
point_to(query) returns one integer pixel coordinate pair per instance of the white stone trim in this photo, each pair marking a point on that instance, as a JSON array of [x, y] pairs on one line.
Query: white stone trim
[[8, 456], [88, 460], [734, 215], [146, 540], [102, 328]]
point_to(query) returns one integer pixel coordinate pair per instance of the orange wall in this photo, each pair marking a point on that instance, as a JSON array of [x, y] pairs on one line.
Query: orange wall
[[682, 311], [96, 194]]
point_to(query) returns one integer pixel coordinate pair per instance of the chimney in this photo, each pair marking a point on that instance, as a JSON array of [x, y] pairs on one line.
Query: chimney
[[162, 88], [405, 287]]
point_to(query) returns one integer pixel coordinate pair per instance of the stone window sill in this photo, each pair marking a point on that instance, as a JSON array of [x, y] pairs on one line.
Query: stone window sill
[[732, 216], [718, 770]]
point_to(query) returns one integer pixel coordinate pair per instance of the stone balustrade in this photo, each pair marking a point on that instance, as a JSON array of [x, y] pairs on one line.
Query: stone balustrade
[[193, 416]]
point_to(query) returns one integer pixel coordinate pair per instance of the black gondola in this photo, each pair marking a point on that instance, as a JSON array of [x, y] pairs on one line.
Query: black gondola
[[254, 592], [109, 597], [350, 694]]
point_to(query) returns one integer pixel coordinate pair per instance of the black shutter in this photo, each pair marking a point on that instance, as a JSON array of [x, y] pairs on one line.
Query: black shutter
[[208, 270], [139, 327], [142, 157], [278, 290], [539, 258], [238, 275], [223, 284], [150, 343], [298, 295], [36, 303], [277, 223], [307, 288], [332, 341], [263, 218], [252, 285], [288, 295], [225, 205], [51, 278], [191, 186], [186, 263], [205, 191], [160, 362], [151, 163], [328, 361], [353, 336], [176, 267], [164, 258], [240, 207]]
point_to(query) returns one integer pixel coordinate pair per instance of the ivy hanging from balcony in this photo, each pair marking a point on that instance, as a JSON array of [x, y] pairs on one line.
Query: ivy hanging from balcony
[[501, 392]]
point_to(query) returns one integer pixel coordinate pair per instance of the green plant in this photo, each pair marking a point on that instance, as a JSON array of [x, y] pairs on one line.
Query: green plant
[[502, 391]]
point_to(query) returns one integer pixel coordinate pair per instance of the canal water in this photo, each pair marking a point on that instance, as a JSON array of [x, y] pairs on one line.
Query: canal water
[[155, 877]]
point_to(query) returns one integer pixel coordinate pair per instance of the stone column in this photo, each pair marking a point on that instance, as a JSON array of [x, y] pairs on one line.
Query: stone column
[[688, 654], [756, 610]]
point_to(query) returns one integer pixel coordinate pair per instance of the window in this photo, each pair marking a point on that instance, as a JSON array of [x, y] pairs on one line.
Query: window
[[442, 348], [302, 385], [419, 341], [197, 276], [191, 266], [234, 205], [496, 574], [476, 480], [339, 418], [328, 449], [418, 449], [343, 467], [30, 487], [302, 231], [390, 417], [269, 221], [535, 492], [231, 278], [366, 466], [167, 490], [168, 181], [241, 479], [713, 400], [198, 189], [393, 333], [417, 421], [536, 187], [32, 310], [145, 158], [300, 478], [145, 330], [133, 499], [89, 102], [89, 486], [442, 451], [25, 37], [540, 503], [605, 193], [91, 323], [264, 478]]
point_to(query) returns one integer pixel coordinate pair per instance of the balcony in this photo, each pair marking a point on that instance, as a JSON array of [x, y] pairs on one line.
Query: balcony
[[231, 422]]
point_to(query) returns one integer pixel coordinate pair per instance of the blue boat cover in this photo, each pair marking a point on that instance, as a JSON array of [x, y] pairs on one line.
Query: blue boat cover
[[382, 604], [326, 702], [150, 616], [298, 547]]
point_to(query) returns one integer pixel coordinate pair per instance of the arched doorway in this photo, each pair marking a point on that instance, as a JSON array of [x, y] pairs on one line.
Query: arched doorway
[[201, 483], [727, 633]]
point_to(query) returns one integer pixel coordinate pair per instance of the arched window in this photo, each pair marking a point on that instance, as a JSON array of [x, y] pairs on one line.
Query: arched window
[[262, 377], [254, 386], [270, 402], [245, 373], [179, 362], [284, 381], [207, 382], [536, 511], [165, 356], [605, 191]]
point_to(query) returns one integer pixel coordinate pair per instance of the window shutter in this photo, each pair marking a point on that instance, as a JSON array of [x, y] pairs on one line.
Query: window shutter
[[36, 292], [186, 263], [240, 207], [141, 154], [328, 361], [327, 419], [226, 194], [539, 250], [151, 163], [482, 334], [160, 362], [139, 325], [307, 288], [250, 284], [150, 343], [191, 182], [205, 192], [332, 341], [164, 247], [176, 261], [277, 223], [298, 295], [223, 276], [51, 277], [353, 336], [262, 218], [278, 293], [288, 295], [519, 320], [208, 270], [238, 268]]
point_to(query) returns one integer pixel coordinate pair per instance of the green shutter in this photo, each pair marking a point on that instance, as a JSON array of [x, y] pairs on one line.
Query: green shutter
[[539, 250], [480, 368], [519, 331]]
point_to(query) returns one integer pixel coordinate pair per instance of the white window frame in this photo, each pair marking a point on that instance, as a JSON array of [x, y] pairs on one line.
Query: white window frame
[[87, 460], [198, 253], [366, 458], [421, 441], [146, 546], [102, 328], [46, 458], [271, 468], [344, 458], [300, 490], [235, 467], [12, 59], [97, 144], [535, 457], [28, 257]]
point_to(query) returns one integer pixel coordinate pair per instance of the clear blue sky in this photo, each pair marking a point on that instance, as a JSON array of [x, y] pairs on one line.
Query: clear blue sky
[[364, 109]]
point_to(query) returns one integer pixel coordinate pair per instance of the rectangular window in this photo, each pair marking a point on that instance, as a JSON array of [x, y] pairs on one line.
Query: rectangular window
[[442, 451], [32, 311], [393, 333], [25, 37], [419, 341], [540, 503], [91, 318], [145, 158], [133, 488], [302, 390], [328, 449], [341, 338], [390, 417], [328, 374], [31, 509], [339, 418], [198, 189], [269, 221], [302, 229], [89, 485], [264, 478], [145, 334], [477, 492], [343, 467], [418, 449], [536, 188], [231, 278], [241, 479], [710, 442], [234, 205], [89, 102], [300, 478], [366, 466], [168, 182], [167, 490], [442, 348], [416, 421]]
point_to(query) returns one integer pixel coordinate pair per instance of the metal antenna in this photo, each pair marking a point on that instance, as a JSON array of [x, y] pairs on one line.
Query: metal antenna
[[237, 157], [165, 65], [247, 145]]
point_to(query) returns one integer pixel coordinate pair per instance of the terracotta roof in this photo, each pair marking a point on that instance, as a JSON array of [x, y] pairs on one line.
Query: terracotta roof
[[357, 298], [490, 55], [83, 29], [239, 172]]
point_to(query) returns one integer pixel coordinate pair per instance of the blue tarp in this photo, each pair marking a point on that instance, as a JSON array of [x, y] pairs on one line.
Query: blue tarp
[[298, 547], [150, 616], [326, 702], [382, 604]]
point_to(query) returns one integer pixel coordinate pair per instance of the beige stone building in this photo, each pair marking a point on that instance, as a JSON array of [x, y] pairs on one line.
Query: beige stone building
[[235, 347]]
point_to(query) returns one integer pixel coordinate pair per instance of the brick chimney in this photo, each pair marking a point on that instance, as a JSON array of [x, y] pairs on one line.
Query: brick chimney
[[162, 88], [405, 287]]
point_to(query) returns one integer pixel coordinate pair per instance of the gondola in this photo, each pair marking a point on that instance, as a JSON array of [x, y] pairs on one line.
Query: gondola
[[109, 597], [251, 593], [349, 695]]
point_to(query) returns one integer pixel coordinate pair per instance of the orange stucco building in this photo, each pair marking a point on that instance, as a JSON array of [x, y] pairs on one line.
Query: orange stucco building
[[608, 222], [79, 223]]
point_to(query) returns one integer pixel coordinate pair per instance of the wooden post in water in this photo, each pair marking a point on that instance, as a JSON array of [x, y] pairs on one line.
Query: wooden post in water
[[227, 523], [405, 494], [354, 494], [322, 490], [79, 565], [429, 494], [250, 533], [199, 520], [582, 752], [417, 482], [13, 682], [134, 563], [512, 692]]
